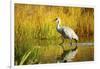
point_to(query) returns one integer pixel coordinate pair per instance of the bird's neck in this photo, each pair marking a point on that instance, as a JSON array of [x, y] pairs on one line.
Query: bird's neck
[[58, 25]]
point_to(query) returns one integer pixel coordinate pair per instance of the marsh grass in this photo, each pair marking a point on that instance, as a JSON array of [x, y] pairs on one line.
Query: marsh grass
[[36, 35]]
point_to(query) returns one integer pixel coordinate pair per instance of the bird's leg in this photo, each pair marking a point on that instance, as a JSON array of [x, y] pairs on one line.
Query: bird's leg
[[71, 42], [62, 40], [76, 45], [76, 42]]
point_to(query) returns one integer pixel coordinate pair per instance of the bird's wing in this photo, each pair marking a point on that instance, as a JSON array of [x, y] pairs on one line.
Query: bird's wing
[[66, 31], [70, 32]]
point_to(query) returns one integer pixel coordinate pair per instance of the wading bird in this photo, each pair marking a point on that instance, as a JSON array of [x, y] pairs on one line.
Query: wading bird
[[66, 32]]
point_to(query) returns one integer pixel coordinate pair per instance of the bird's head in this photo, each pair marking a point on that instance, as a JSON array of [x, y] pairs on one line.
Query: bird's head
[[57, 19]]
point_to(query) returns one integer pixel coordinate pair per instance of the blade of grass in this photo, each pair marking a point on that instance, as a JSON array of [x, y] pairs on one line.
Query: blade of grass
[[24, 58]]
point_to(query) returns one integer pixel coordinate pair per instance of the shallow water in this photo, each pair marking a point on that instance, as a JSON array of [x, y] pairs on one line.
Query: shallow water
[[50, 51]]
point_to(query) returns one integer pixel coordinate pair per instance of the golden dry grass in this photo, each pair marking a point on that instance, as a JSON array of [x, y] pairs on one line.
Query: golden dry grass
[[35, 22]]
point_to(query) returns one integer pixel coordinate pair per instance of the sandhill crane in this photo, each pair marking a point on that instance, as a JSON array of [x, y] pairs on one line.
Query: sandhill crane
[[66, 32]]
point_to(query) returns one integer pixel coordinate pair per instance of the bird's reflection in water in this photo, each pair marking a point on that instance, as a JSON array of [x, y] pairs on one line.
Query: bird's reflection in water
[[67, 55]]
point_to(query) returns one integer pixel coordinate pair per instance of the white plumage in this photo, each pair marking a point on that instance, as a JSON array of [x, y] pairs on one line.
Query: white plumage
[[70, 33], [66, 32]]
